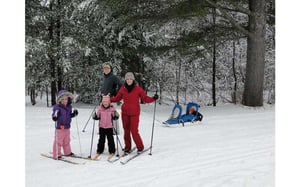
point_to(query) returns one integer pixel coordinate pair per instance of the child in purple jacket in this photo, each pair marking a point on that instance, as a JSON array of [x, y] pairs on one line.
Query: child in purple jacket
[[62, 114]]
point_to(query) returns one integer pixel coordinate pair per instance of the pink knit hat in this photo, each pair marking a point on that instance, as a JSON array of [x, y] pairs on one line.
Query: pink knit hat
[[105, 98]]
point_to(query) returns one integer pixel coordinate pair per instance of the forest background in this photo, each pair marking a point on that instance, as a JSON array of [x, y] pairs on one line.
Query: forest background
[[13, 81], [205, 51]]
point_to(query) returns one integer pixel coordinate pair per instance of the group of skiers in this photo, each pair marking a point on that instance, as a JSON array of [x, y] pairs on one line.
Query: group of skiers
[[112, 91]]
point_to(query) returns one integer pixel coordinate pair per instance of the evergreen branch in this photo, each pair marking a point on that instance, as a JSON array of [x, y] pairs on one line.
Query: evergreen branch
[[229, 18]]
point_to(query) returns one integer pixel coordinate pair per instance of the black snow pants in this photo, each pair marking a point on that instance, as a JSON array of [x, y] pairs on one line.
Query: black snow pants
[[103, 134]]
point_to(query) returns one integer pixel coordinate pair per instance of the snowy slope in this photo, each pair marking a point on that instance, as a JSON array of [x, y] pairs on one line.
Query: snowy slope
[[233, 146]]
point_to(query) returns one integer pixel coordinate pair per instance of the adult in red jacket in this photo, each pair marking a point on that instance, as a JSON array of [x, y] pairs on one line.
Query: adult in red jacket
[[131, 94]]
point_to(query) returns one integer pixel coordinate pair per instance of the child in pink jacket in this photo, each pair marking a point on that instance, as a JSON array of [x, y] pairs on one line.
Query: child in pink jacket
[[105, 114]]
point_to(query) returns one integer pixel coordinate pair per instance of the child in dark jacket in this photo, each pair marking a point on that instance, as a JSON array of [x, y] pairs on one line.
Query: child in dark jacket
[[62, 114], [105, 114]]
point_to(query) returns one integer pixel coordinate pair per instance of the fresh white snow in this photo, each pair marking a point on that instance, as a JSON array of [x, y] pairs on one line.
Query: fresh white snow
[[232, 147]]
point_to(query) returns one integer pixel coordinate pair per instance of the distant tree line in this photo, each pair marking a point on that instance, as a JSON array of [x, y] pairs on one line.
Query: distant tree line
[[205, 51]]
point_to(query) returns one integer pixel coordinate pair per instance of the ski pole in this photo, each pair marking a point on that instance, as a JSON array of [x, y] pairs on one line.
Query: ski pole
[[56, 136], [78, 135], [116, 133], [153, 126], [83, 130], [118, 139], [92, 140], [56, 141], [117, 144]]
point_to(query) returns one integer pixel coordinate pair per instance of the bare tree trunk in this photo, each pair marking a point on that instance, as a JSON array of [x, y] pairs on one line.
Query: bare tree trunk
[[178, 82], [214, 60], [253, 90], [47, 98], [234, 75], [52, 57], [32, 96], [160, 93], [54, 49], [162, 83], [58, 47], [59, 78]]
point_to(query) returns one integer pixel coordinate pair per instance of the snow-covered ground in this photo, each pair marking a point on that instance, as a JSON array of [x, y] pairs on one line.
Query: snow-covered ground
[[232, 147]]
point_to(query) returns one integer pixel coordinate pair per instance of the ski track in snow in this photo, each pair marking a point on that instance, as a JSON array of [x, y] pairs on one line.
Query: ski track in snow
[[233, 146]]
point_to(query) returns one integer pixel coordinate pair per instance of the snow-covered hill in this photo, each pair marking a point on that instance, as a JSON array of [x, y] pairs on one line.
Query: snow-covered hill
[[232, 147]]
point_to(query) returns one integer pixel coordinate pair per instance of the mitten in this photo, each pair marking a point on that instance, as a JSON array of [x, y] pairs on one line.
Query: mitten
[[74, 113], [55, 115], [155, 96], [95, 117], [54, 118], [116, 116]]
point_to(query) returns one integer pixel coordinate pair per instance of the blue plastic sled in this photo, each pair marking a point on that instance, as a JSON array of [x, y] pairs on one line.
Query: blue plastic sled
[[192, 114]]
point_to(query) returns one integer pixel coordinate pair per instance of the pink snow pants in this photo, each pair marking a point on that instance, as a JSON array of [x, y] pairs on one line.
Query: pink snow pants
[[61, 140]]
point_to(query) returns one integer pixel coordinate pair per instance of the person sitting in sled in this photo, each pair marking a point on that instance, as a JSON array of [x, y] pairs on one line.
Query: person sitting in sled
[[105, 114], [62, 114], [192, 111]]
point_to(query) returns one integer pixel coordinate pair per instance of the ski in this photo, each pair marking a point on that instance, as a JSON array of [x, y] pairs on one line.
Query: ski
[[62, 159], [96, 158], [110, 156], [134, 156], [81, 157], [76, 156], [112, 160]]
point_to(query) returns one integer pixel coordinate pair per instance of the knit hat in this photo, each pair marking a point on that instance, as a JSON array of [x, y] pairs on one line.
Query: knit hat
[[129, 75], [62, 94], [106, 65], [105, 98]]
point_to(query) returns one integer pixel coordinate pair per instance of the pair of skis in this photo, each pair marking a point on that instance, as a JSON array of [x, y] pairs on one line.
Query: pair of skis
[[131, 157], [63, 159], [98, 156], [110, 159]]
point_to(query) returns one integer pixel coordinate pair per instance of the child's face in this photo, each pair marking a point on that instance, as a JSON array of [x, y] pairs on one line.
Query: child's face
[[105, 103], [64, 101]]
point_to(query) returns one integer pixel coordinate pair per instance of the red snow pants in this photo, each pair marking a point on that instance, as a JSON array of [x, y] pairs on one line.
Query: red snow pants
[[131, 128]]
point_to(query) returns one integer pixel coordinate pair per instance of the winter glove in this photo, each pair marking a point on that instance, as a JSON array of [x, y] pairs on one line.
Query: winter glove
[[74, 113], [155, 96], [55, 115], [54, 118], [95, 117], [116, 116]]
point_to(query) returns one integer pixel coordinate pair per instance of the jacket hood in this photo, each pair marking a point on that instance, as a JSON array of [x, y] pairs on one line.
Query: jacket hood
[[63, 93]]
